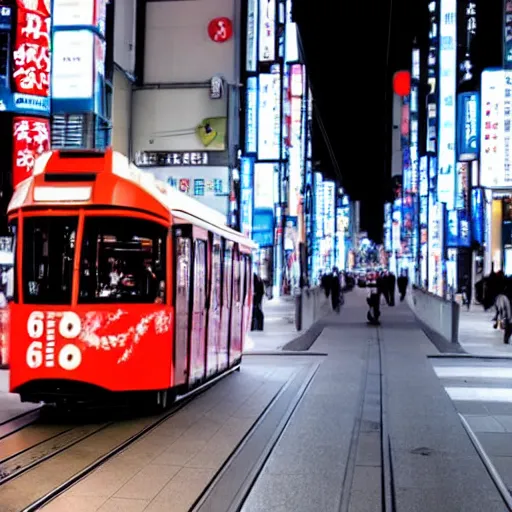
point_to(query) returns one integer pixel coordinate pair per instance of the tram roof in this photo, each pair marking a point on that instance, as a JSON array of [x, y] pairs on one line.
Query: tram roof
[[109, 161]]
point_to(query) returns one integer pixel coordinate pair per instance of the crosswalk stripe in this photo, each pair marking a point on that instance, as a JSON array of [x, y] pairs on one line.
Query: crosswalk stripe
[[480, 394], [475, 372]]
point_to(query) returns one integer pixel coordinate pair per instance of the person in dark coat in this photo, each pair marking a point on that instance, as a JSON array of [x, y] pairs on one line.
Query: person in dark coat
[[403, 282], [335, 290], [391, 288], [257, 309]]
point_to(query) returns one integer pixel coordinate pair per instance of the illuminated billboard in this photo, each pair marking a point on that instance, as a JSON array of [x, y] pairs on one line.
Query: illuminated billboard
[[435, 248], [252, 35], [78, 58], [251, 115], [468, 142], [269, 115], [24, 89], [495, 131], [447, 102], [31, 138], [267, 30], [246, 196]]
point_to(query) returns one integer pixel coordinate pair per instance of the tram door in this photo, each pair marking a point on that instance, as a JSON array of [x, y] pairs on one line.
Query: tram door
[[235, 348], [182, 273], [198, 314], [227, 285], [214, 306], [247, 279]]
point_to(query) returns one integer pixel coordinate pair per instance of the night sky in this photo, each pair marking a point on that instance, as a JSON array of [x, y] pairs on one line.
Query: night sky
[[345, 49]]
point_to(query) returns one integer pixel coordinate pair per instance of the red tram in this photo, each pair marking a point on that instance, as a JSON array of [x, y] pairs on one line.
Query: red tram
[[122, 284]]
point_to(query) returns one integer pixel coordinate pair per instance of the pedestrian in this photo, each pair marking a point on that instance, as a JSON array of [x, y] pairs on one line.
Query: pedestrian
[[258, 318], [391, 288], [335, 290], [402, 282], [503, 317]]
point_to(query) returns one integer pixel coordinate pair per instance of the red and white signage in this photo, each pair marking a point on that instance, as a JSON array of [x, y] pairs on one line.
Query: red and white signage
[[31, 138], [220, 30], [31, 56]]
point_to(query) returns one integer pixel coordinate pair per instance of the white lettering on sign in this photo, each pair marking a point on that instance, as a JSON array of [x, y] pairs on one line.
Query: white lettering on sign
[[42, 327]]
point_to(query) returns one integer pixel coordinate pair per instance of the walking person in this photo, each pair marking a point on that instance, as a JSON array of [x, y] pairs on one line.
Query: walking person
[[466, 291], [503, 317], [335, 290], [373, 302], [391, 288], [257, 310], [403, 282]]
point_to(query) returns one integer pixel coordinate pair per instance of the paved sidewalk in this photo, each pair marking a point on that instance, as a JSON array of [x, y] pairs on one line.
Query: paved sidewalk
[[10, 405], [476, 335], [329, 457], [279, 327]]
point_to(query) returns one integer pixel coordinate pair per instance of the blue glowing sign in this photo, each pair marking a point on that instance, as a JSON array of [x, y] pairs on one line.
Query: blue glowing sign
[[423, 188], [251, 113], [468, 140], [263, 227], [23, 103], [246, 195], [477, 207]]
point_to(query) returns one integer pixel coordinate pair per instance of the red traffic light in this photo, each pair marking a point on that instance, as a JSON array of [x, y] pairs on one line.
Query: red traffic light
[[402, 83]]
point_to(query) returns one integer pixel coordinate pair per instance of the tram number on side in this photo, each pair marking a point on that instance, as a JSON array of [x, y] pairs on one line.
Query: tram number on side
[[42, 329]]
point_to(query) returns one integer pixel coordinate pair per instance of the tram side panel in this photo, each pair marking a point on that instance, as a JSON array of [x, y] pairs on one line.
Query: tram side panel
[[120, 348]]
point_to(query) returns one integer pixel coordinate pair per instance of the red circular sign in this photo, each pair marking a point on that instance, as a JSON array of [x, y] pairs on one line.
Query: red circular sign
[[402, 83], [220, 30]]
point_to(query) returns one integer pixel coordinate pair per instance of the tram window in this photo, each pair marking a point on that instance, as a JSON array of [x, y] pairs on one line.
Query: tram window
[[227, 276], [236, 277], [199, 275], [122, 260], [48, 254], [216, 277]]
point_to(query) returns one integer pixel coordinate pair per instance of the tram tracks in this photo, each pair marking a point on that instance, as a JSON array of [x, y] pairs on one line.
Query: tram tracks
[[71, 453], [19, 422]]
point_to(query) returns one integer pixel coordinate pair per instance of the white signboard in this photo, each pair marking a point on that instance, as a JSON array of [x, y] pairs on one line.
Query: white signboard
[[252, 33], [268, 112], [73, 12], [447, 102], [73, 65], [496, 118], [267, 32]]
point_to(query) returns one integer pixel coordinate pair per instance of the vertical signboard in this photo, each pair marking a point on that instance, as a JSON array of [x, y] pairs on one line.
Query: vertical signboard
[[495, 132], [507, 32], [435, 245], [78, 59], [468, 140], [28, 90], [251, 62], [31, 139], [447, 101], [267, 31], [462, 198], [432, 74], [251, 113], [269, 110], [246, 196]]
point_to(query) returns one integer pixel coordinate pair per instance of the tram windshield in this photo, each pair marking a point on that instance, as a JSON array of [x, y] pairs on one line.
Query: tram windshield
[[49, 249], [122, 260]]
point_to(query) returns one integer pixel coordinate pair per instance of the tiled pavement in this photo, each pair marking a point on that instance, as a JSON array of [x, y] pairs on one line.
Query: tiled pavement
[[169, 468], [476, 335], [481, 390]]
